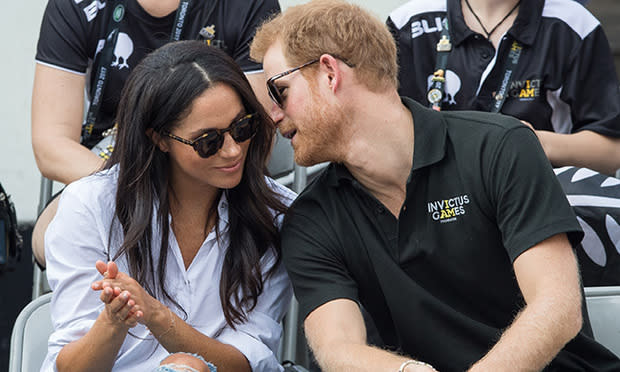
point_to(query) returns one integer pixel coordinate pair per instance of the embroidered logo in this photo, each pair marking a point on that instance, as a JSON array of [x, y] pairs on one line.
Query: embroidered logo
[[525, 90], [424, 26], [448, 210], [92, 9]]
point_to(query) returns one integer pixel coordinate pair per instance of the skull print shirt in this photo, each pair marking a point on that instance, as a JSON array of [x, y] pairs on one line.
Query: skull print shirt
[[73, 34]]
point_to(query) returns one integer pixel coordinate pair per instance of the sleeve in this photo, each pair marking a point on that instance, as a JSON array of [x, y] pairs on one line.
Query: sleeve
[[530, 205], [73, 244], [258, 338], [314, 260], [255, 13], [63, 36], [591, 87]]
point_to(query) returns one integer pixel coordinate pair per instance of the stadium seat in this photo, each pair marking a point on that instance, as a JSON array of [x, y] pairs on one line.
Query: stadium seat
[[30, 333], [603, 305]]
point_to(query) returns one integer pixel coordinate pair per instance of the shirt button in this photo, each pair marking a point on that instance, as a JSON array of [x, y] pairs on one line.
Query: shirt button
[[380, 210], [484, 55], [477, 37], [404, 207]]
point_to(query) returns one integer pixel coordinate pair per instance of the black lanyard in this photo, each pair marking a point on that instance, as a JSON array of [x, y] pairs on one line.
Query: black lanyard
[[436, 91], [509, 67], [107, 54]]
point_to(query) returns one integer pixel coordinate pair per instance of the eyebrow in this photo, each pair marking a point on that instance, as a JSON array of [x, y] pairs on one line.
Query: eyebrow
[[199, 132]]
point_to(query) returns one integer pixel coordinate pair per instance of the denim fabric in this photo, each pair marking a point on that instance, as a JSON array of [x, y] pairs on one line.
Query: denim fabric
[[174, 367]]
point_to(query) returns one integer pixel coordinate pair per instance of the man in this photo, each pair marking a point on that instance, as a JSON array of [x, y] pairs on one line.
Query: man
[[423, 217]]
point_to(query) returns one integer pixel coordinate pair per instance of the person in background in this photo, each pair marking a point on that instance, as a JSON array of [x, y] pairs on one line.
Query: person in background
[[187, 222], [545, 62], [421, 217], [79, 39]]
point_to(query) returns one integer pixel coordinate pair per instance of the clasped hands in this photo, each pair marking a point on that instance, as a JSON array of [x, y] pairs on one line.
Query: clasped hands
[[126, 302]]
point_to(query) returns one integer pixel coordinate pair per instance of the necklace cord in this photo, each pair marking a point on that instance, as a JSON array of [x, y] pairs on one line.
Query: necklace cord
[[489, 33]]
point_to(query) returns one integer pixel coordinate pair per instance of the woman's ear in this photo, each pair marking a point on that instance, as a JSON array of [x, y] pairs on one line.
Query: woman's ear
[[157, 139]]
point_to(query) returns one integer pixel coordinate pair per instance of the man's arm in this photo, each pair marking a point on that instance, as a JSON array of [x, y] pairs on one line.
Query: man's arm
[[548, 278], [586, 149], [57, 111], [337, 336]]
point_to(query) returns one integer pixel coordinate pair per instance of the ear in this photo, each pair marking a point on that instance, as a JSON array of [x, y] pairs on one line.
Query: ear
[[157, 139], [331, 67]]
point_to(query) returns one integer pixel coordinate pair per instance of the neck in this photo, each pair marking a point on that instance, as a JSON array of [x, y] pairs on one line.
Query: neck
[[490, 9], [159, 8], [188, 197], [379, 151]]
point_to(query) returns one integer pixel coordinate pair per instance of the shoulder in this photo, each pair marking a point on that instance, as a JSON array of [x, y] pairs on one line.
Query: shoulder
[[572, 14], [413, 8], [97, 191], [480, 122]]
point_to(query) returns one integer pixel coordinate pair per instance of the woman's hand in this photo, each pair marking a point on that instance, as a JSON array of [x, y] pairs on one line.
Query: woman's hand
[[114, 284]]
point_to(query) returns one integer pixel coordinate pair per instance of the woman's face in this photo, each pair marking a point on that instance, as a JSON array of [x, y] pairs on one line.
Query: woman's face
[[217, 108]]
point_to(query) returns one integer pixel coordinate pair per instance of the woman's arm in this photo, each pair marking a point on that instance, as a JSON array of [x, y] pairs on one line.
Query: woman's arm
[[172, 332], [98, 348]]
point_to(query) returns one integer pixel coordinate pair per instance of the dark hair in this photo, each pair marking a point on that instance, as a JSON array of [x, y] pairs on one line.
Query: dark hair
[[158, 95]]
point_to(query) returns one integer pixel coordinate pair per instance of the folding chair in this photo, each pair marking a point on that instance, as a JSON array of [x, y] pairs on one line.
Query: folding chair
[[604, 309], [39, 279], [30, 333]]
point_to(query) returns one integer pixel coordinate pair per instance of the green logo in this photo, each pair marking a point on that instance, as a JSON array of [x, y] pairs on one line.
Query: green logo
[[119, 12]]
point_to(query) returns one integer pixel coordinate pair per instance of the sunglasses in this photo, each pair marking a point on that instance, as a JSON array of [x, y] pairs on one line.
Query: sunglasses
[[213, 139], [274, 91]]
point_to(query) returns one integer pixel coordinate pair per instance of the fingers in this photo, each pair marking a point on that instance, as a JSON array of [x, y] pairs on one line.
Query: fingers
[[112, 270], [122, 308], [101, 267]]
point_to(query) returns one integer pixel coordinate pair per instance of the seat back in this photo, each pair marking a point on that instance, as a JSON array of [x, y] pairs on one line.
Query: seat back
[[604, 309], [30, 333]]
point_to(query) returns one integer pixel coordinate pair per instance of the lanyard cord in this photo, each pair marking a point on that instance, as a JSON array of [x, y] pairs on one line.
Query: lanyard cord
[[436, 91], [107, 54]]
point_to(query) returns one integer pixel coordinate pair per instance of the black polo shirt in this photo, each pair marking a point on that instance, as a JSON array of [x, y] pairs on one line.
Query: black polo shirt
[[565, 80], [438, 281]]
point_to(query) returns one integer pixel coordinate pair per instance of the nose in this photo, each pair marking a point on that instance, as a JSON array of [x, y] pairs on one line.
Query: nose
[[277, 114], [230, 148]]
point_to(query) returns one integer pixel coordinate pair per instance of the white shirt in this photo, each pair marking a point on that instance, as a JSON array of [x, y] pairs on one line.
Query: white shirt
[[78, 236]]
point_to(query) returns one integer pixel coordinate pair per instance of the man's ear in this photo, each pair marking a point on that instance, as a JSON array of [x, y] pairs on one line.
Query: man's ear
[[331, 67], [157, 139]]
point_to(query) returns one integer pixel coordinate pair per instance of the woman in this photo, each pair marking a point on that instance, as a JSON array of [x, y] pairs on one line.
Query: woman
[[185, 212]]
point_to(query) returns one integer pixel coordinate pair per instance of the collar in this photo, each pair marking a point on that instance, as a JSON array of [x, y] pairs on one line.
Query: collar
[[429, 136], [524, 28]]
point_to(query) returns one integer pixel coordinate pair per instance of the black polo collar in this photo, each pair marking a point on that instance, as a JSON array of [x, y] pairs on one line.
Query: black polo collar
[[429, 138], [524, 28]]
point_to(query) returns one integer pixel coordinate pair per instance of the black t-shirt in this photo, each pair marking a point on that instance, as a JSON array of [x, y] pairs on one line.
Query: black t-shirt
[[73, 33], [438, 281], [565, 80]]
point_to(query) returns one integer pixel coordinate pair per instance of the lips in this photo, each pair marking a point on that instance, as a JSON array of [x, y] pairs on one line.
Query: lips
[[288, 134], [230, 166]]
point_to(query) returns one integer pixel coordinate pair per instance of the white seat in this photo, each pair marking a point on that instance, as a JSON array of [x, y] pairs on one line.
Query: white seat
[[604, 309], [30, 334]]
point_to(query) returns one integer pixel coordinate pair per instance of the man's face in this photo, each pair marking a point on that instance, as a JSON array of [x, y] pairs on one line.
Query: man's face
[[307, 117]]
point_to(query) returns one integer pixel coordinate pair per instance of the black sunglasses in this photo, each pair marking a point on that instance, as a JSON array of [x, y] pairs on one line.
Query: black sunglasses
[[276, 93], [213, 139]]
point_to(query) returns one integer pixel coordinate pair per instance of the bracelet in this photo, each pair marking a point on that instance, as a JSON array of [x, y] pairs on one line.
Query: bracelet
[[169, 328], [414, 362]]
